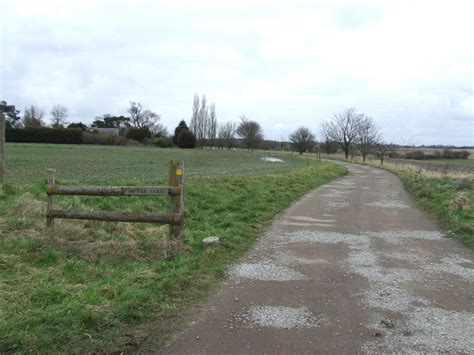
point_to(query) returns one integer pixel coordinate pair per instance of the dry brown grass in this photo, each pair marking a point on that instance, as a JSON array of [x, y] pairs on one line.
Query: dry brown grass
[[93, 240], [406, 166], [431, 170], [432, 150], [28, 206]]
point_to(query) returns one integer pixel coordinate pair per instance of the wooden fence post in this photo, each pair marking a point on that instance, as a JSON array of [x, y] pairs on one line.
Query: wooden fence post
[[2, 148], [176, 179], [49, 220]]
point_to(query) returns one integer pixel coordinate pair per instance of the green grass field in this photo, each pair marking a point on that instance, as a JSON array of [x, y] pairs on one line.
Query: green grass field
[[27, 163], [94, 286]]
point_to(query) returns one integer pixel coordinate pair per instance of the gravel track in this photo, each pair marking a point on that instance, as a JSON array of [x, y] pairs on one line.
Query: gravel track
[[353, 267]]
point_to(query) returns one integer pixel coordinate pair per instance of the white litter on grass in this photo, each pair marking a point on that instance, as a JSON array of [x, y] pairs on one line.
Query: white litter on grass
[[283, 317], [273, 160], [266, 270], [388, 204]]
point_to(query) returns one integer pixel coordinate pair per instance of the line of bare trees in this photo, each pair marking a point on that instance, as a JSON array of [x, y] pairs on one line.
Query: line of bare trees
[[353, 131], [34, 116], [208, 132], [350, 130]]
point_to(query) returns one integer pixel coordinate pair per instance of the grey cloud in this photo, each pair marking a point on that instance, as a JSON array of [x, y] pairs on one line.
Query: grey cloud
[[97, 58]]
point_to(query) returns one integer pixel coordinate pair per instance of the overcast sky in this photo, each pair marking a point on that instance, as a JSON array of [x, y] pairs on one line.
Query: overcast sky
[[408, 64]]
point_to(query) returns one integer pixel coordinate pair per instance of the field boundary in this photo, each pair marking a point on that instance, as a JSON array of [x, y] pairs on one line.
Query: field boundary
[[175, 192]]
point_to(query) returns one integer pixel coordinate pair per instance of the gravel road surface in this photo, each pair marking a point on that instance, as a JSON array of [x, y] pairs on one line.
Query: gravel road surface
[[352, 267]]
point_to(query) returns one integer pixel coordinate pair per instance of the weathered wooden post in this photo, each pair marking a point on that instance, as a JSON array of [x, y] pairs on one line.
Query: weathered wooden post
[[49, 220], [176, 179], [2, 148]]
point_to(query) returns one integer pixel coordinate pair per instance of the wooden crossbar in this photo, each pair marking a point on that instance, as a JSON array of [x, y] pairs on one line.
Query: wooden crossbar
[[112, 190], [113, 216], [174, 190]]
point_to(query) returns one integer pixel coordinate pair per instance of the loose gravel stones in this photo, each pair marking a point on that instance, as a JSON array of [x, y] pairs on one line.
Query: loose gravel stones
[[283, 317], [311, 219], [390, 298], [428, 330], [454, 265], [402, 236], [388, 204], [303, 236], [266, 270]]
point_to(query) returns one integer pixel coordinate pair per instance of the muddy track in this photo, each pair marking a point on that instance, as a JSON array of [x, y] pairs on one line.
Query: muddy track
[[352, 267]]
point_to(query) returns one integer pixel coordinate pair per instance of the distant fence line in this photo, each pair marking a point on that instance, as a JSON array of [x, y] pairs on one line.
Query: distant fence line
[[435, 167], [175, 192]]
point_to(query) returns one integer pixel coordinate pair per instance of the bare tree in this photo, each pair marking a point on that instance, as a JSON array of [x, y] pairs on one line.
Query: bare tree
[[343, 128], [327, 144], [368, 134], [212, 125], [159, 130], [383, 149], [251, 133], [33, 117], [58, 115], [202, 122], [226, 134], [140, 118], [302, 139], [194, 118]]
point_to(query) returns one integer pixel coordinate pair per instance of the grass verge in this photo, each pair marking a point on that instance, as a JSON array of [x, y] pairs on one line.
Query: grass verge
[[437, 196], [92, 286]]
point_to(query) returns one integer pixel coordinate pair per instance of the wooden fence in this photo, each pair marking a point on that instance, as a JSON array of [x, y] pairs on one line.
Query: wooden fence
[[175, 191]]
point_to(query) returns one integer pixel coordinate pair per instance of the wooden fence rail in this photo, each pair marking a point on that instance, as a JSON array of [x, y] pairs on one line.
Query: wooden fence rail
[[175, 191]]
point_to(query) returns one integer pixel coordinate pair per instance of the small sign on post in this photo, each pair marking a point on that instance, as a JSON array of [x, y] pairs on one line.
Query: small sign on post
[[176, 179]]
